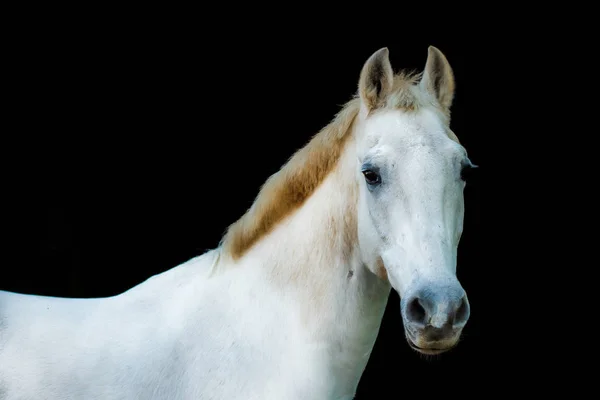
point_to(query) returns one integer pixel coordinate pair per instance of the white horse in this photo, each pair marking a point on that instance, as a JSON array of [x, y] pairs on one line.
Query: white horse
[[289, 305]]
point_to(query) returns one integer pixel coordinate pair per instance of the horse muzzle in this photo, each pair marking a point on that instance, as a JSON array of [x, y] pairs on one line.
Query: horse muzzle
[[434, 316]]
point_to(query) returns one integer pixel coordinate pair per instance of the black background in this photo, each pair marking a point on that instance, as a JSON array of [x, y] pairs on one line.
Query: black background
[[141, 137]]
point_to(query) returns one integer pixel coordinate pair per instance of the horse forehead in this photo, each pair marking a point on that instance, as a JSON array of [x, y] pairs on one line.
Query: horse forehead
[[397, 124], [417, 139]]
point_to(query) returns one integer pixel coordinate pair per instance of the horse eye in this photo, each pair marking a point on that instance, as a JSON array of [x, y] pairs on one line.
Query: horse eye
[[371, 177]]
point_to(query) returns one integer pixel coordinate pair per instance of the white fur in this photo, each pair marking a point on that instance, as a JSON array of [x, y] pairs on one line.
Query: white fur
[[295, 318], [421, 212]]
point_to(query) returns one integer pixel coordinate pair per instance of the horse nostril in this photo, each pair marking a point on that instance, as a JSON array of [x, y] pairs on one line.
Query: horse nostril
[[462, 313], [415, 312]]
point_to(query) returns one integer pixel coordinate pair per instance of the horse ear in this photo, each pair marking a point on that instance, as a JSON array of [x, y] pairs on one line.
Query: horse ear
[[438, 78], [376, 79]]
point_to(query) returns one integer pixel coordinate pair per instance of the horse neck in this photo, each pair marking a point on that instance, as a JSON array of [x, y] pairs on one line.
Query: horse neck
[[313, 256]]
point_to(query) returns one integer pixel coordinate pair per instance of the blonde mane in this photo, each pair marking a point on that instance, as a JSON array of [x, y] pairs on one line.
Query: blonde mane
[[286, 190]]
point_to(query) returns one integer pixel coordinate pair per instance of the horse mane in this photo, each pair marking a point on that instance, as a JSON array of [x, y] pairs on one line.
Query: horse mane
[[287, 189]]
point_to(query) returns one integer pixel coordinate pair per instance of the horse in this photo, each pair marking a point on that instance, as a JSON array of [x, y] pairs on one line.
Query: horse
[[290, 302]]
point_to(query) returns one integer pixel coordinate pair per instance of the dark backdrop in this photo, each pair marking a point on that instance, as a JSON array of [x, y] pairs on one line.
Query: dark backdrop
[[140, 140]]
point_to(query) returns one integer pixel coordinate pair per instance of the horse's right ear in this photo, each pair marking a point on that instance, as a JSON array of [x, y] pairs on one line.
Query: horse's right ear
[[376, 79]]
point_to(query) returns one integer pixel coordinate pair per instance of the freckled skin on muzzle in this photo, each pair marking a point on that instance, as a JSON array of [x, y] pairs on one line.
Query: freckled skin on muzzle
[[434, 316]]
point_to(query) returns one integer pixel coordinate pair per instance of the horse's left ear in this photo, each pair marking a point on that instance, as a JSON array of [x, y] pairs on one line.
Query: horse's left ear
[[438, 77]]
